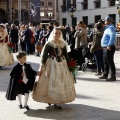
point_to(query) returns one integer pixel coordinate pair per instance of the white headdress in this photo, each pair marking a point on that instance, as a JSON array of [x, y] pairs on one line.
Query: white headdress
[[51, 37], [51, 40], [3, 35]]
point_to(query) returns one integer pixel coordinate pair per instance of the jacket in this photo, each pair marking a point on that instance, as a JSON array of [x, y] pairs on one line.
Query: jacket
[[16, 75], [81, 37]]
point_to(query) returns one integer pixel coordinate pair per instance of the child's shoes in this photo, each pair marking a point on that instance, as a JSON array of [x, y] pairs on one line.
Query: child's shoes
[[27, 107], [20, 106]]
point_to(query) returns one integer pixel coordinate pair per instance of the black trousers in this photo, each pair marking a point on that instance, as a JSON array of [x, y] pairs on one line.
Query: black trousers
[[108, 57], [80, 57]]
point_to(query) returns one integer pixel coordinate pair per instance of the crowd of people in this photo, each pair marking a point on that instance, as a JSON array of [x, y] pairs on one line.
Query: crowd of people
[[55, 84]]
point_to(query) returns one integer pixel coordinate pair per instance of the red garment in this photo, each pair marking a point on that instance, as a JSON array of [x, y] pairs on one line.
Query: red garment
[[32, 38], [6, 40], [20, 81]]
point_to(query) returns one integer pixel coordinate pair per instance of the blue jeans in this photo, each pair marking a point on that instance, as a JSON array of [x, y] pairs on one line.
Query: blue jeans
[[27, 47], [99, 60]]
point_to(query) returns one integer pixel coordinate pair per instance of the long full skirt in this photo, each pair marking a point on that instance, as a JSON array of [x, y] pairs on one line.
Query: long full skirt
[[6, 57], [56, 84]]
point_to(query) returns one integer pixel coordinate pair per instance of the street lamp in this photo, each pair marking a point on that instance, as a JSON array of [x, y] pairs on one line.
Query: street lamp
[[19, 11], [118, 8], [50, 16], [72, 9]]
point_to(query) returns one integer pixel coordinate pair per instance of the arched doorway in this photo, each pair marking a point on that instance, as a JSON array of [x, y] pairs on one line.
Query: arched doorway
[[24, 16], [2, 16]]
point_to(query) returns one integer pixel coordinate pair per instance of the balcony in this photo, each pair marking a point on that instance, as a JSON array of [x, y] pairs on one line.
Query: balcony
[[84, 3], [63, 8], [96, 1]]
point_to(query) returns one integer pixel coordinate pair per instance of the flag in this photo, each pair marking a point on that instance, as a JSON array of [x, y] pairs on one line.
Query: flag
[[35, 11]]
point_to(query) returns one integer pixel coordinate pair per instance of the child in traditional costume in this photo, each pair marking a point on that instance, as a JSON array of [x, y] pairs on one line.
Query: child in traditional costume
[[56, 83], [22, 80]]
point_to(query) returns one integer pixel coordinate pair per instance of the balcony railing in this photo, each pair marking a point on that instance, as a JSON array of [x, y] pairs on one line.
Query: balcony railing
[[63, 8]]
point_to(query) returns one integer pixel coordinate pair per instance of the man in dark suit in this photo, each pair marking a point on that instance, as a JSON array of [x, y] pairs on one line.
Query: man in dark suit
[[27, 38]]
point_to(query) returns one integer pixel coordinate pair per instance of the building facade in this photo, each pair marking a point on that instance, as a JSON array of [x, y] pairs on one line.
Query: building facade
[[48, 10], [9, 10], [90, 11], [19, 10]]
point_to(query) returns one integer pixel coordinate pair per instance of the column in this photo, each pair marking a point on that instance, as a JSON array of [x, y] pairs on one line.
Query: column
[[19, 11], [10, 10]]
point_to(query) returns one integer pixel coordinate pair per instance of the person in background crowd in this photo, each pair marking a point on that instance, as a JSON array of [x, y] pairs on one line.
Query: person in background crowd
[[22, 39], [56, 24], [96, 48], [63, 32], [72, 43], [67, 32], [81, 39], [102, 22], [6, 56], [51, 24], [32, 43], [21, 81], [43, 32], [56, 83], [108, 44], [49, 30], [13, 35], [27, 38], [36, 35]]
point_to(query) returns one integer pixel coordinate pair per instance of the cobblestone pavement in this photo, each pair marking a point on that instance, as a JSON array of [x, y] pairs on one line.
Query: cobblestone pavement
[[95, 99]]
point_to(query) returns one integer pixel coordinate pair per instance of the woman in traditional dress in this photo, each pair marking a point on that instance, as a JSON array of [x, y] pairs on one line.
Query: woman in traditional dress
[[6, 57], [55, 84]]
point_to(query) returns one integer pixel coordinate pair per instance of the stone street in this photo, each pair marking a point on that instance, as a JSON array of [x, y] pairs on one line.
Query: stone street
[[95, 99]]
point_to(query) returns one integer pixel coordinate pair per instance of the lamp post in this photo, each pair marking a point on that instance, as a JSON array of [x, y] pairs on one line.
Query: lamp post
[[72, 10], [19, 11], [118, 8], [50, 16]]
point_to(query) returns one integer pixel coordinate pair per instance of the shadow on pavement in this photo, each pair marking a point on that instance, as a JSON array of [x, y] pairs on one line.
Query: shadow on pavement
[[75, 112], [5, 74], [98, 80]]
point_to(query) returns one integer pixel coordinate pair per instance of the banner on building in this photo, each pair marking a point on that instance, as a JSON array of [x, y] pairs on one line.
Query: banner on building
[[35, 11]]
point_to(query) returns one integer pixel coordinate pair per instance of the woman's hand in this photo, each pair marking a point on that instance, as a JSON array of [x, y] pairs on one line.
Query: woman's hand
[[41, 70], [76, 28], [40, 73]]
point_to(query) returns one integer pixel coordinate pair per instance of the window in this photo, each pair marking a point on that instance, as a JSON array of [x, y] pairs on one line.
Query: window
[[68, 4], [74, 21], [42, 14], [64, 21], [114, 18], [50, 3], [74, 3], [63, 7], [41, 3], [97, 3], [97, 18], [111, 2], [85, 4], [85, 20]]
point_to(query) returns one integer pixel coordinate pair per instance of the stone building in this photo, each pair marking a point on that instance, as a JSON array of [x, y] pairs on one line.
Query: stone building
[[90, 11], [9, 10]]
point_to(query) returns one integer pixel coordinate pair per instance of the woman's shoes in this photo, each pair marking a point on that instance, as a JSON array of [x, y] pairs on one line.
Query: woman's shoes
[[49, 104], [80, 68], [57, 106], [98, 73]]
